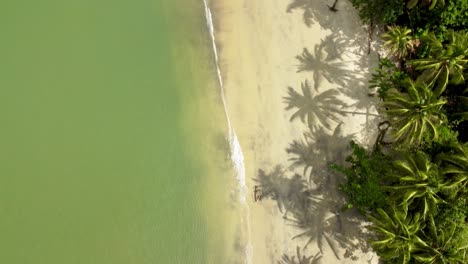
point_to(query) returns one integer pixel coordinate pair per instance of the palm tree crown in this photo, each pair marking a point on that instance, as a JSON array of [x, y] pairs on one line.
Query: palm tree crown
[[446, 63], [398, 234], [415, 113], [398, 39], [419, 183]]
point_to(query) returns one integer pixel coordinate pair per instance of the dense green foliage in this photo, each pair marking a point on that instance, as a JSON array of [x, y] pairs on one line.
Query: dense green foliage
[[364, 178], [419, 15], [399, 41], [386, 77], [453, 15], [379, 11], [415, 189]]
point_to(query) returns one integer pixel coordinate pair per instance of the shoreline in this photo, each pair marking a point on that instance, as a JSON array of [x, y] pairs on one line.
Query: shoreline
[[258, 42]]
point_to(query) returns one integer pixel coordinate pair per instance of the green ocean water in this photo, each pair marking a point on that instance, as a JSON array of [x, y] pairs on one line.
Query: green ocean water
[[112, 137]]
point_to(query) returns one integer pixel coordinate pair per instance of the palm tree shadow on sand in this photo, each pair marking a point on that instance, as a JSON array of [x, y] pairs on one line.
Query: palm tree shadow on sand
[[322, 13], [319, 110], [316, 150], [334, 71], [301, 259], [312, 203], [314, 109]]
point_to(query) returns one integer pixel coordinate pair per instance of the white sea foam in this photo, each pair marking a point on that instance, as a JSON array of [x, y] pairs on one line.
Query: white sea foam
[[236, 151]]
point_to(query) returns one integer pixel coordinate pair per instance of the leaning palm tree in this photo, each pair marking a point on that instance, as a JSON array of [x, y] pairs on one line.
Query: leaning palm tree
[[398, 234], [420, 183], [432, 3], [414, 114], [399, 40], [446, 64], [316, 110]]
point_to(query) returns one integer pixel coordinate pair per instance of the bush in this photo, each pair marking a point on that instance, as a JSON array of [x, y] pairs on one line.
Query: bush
[[364, 178], [454, 15], [386, 77], [379, 11]]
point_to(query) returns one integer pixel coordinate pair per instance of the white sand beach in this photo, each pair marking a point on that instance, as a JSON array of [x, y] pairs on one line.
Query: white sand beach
[[258, 42]]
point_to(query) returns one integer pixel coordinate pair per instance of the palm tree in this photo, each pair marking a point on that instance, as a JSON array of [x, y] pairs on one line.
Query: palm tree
[[446, 65], [398, 234], [447, 245], [432, 3], [415, 113], [301, 259], [315, 110], [399, 40], [419, 183], [454, 166]]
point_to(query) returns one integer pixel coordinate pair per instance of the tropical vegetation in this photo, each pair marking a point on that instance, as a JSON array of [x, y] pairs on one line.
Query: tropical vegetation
[[412, 186]]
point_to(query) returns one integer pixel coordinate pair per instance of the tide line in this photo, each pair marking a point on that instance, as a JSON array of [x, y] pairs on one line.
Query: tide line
[[237, 157]]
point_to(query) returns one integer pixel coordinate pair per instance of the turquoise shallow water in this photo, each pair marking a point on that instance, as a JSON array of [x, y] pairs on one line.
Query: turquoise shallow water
[[103, 149]]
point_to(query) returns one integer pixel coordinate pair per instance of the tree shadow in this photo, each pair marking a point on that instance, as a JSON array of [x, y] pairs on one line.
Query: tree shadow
[[301, 259], [315, 110], [320, 12], [334, 71], [316, 206], [317, 150], [309, 13], [327, 62], [337, 46]]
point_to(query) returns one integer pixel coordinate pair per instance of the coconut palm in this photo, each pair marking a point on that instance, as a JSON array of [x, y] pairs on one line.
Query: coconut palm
[[431, 3], [414, 114], [315, 110], [398, 234], [446, 65], [399, 40], [420, 183]]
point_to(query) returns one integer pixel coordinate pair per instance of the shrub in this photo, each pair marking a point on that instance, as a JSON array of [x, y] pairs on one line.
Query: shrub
[[379, 11], [454, 15], [364, 178], [387, 76]]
